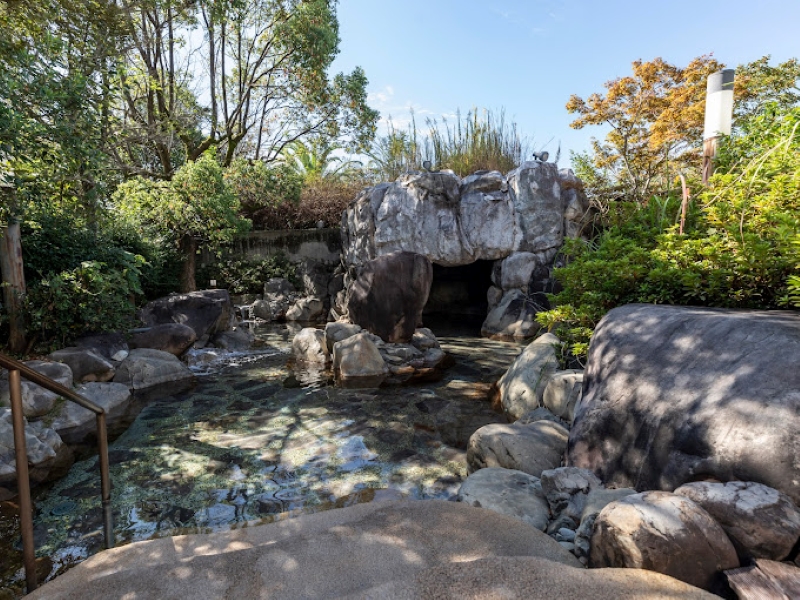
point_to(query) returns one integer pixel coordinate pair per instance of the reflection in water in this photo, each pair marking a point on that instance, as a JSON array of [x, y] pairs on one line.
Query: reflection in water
[[256, 441]]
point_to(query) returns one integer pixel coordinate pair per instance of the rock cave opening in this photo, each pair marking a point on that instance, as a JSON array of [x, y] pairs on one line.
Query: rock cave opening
[[458, 295]]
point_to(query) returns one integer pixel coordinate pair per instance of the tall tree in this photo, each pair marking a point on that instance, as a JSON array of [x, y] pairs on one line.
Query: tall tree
[[257, 81], [196, 206], [55, 57], [655, 117]]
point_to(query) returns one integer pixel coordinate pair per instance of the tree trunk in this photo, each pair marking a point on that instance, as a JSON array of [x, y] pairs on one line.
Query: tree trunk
[[13, 284], [188, 248]]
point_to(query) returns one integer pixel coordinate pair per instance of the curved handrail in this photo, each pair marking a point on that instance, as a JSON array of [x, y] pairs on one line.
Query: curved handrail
[[17, 370], [42, 380]]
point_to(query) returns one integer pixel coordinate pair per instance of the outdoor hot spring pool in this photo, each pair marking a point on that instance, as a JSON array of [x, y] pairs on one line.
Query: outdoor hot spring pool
[[256, 440]]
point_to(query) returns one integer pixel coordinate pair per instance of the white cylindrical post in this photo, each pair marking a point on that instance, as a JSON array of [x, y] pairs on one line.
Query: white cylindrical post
[[719, 116]]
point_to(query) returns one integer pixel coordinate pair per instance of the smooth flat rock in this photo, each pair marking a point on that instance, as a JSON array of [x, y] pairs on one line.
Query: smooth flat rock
[[530, 448], [174, 338], [508, 492], [533, 579], [73, 422], [324, 555], [145, 367], [678, 394]]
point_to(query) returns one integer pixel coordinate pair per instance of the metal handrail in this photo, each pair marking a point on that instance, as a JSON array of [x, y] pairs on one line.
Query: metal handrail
[[16, 370]]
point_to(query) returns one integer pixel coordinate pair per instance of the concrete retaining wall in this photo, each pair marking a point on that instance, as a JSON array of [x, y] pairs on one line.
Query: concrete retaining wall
[[323, 245]]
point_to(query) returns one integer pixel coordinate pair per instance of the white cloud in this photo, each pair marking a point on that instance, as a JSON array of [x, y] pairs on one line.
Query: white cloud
[[381, 97]]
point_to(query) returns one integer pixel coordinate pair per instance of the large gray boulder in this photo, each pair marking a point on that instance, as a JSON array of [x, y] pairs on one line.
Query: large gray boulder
[[146, 367], [522, 386], [85, 364], [760, 521], [338, 331], [597, 499], [37, 401], [206, 311], [73, 422], [419, 213], [676, 394], [529, 448], [665, 533], [174, 338], [389, 294], [507, 492], [44, 448]]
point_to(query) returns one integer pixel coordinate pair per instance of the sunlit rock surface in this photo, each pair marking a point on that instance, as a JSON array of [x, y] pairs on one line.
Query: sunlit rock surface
[[677, 394]]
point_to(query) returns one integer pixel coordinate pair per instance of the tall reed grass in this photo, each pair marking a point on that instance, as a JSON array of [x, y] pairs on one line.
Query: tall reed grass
[[481, 140]]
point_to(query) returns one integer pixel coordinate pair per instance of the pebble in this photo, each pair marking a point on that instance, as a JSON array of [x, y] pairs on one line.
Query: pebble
[[567, 535], [567, 546]]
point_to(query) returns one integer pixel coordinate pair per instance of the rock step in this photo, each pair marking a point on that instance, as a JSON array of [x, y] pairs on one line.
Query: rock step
[[323, 555], [533, 578], [402, 549]]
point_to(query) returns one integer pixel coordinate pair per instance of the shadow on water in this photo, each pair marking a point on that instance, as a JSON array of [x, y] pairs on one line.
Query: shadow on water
[[256, 442]]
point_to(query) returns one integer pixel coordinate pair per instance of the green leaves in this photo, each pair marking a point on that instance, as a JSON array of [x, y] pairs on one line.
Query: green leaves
[[90, 298], [198, 202]]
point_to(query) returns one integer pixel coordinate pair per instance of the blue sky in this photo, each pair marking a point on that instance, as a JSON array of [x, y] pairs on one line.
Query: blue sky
[[529, 56]]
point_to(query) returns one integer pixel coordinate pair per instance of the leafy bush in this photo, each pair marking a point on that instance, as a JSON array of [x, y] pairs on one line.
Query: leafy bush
[[740, 248], [89, 298], [259, 187], [247, 276]]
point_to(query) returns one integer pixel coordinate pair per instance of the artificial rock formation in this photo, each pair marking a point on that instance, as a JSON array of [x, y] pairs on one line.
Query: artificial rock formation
[[519, 220]]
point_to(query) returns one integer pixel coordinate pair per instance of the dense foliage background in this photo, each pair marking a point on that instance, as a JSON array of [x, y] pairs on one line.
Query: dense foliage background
[[741, 244], [135, 132]]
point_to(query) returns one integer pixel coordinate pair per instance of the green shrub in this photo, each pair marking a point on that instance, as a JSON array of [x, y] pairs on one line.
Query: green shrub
[[739, 250], [89, 298], [259, 187], [247, 276]]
